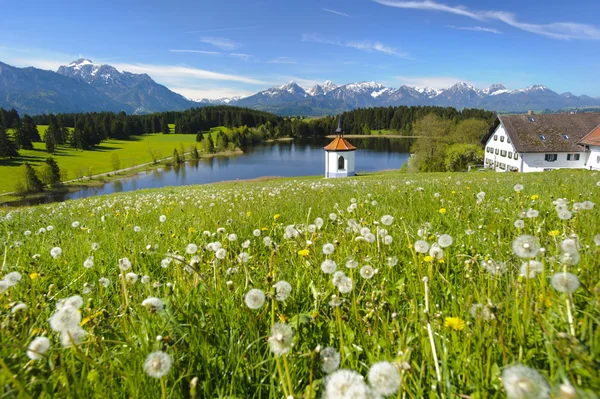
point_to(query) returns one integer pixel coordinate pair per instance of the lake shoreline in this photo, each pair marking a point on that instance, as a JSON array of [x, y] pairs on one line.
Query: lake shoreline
[[372, 136]]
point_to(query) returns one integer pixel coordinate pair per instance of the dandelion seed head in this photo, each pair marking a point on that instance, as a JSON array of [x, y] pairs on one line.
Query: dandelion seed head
[[387, 220], [131, 278], [518, 188], [89, 262], [387, 240], [525, 246], [521, 382], [256, 233], [55, 252], [445, 240], [328, 266], [221, 253], [531, 269], [281, 338], [345, 284], [75, 302], [124, 264], [367, 272], [157, 364], [255, 298], [283, 289], [191, 248], [519, 224], [330, 359], [569, 258], [243, 257], [19, 307], [384, 378], [73, 336], [328, 249], [162, 218], [565, 282], [421, 246], [104, 282], [346, 384], [67, 318], [12, 278], [37, 348]]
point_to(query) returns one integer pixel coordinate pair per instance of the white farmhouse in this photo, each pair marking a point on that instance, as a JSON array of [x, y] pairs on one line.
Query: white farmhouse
[[339, 156], [534, 143]]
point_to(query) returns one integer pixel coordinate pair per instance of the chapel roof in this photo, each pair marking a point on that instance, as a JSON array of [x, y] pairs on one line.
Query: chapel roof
[[340, 144]]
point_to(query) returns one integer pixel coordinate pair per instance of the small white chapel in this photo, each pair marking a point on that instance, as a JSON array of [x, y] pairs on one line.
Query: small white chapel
[[339, 156]]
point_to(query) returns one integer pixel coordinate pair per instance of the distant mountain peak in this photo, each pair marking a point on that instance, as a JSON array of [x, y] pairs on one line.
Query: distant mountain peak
[[80, 63]]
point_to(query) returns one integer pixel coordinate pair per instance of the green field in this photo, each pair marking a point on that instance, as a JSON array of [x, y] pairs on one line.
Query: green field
[[460, 285], [78, 163]]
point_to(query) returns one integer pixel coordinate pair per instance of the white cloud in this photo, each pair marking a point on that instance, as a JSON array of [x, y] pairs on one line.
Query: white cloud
[[475, 29], [436, 82], [196, 52], [241, 56], [175, 73], [211, 92], [556, 30], [343, 14], [282, 60], [368, 46], [220, 42]]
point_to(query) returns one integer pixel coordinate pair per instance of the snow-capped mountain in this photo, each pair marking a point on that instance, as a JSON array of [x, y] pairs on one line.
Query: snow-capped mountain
[[136, 90]]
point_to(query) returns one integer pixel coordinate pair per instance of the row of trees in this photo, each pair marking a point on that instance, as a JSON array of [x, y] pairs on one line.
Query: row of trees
[[31, 180]]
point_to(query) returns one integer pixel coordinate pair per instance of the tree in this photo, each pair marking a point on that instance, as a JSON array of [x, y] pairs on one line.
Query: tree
[[116, 162], [30, 127], [22, 138], [50, 141], [50, 174], [8, 148], [194, 153], [430, 147], [458, 157], [164, 126], [33, 184], [176, 157]]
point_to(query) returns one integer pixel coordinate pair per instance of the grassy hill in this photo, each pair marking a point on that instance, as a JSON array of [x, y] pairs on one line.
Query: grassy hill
[[202, 287]]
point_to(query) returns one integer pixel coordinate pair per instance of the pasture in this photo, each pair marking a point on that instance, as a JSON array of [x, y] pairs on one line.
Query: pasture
[[475, 285]]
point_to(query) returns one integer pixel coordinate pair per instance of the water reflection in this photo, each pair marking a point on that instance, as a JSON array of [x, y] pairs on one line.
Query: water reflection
[[281, 158]]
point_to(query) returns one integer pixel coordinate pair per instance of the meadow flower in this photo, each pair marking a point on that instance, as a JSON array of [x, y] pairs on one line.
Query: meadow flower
[[243, 257], [221, 253], [157, 364], [38, 347], [283, 289], [587, 205], [345, 284], [267, 241], [72, 336], [19, 307], [519, 224], [255, 298], [351, 263], [387, 220], [191, 249], [346, 384], [319, 223], [337, 276], [328, 266], [335, 301], [531, 269], [232, 237], [12, 278], [131, 278], [421, 246], [89, 262], [87, 288], [162, 218], [565, 282], [521, 382], [445, 240], [104, 281], [256, 233], [145, 279], [525, 246], [137, 229], [75, 224], [3, 286], [564, 214], [328, 249], [436, 252], [153, 304], [569, 258], [364, 231], [479, 311], [124, 264], [597, 239], [569, 245], [246, 244], [75, 302], [55, 252], [518, 188], [384, 378], [280, 340], [532, 213], [95, 246], [370, 237], [387, 240], [367, 272], [330, 359], [455, 323], [67, 318], [391, 261], [333, 217]]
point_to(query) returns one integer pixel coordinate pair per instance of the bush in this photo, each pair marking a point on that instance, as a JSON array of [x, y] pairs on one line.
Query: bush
[[458, 157]]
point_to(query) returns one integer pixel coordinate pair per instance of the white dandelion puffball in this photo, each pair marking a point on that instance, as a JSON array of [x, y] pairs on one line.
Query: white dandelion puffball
[[89, 262], [19, 307], [445, 240], [243, 257], [565, 214], [162, 218], [55, 252], [221, 253], [565, 282], [387, 240], [569, 258], [569, 245], [256, 233], [124, 264], [75, 302], [37, 348], [337, 276], [65, 319], [391, 261], [328, 266], [330, 360], [421, 246], [95, 246], [597, 239], [333, 217], [351, 264], [131, 278], [104, 281], [519, 224], [157, 364], [345, 284], [191, 248], [370, 237], [387, 220], [526, 246], [254, 298], [384, 378], [12, 278], [3, 286], [436, 252], [367, 272], [328, 249], [283, 289], [346, 384], [281, 338], [72, 337], [153, 304], [75, 224], [531, 269], [319, 223], [518, 188], [521, 382], [137, 229], [532, 213], [232, 237], [479, 311]]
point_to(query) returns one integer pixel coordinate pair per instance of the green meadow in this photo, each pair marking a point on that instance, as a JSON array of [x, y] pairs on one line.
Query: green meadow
[[387, 285], [77, 163]]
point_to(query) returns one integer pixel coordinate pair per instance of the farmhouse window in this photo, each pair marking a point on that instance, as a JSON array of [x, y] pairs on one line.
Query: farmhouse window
[[508, 140], [510, 154], [550, 157], [502, 139], [503, 153], [495, 137], [497, 151], [572, 157], [516, 156]]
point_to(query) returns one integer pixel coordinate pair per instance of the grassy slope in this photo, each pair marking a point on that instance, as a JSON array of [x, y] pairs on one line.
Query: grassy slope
[[99, 160], [211, 334]]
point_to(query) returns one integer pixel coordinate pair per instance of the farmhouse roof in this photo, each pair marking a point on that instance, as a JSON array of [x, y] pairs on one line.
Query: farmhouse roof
[[546, 132], [593, 138], [340, 144]]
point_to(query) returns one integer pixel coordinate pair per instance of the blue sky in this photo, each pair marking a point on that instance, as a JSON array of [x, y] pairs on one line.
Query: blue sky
[[220, 48]]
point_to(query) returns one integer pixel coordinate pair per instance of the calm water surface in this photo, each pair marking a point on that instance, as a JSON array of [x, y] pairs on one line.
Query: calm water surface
[[281, 158]]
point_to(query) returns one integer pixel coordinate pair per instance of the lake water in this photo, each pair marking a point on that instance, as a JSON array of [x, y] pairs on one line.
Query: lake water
[[280, 158]]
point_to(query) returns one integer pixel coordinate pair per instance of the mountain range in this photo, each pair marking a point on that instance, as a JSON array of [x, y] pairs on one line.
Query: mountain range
[[83, 86]]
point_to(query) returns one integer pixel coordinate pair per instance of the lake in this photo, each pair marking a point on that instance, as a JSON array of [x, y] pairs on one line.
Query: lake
[[299, 157]]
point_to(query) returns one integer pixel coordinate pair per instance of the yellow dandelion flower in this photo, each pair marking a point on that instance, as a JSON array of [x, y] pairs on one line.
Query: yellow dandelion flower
[[248, 213], [545, 300], [554, 233], [91, 317], [534, 197], [191, 230], [442, 211], [303, 252], [283, 318], [276, 216], [264, 228], [455, 323], [428, 258], [33, 276]]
